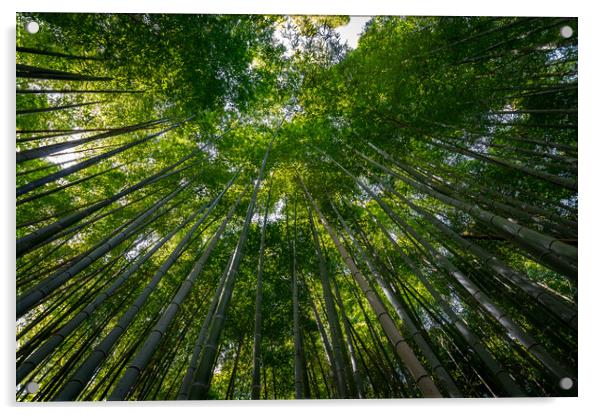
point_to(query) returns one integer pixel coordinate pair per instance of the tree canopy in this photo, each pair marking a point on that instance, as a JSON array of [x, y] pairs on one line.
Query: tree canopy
[[243, 207]]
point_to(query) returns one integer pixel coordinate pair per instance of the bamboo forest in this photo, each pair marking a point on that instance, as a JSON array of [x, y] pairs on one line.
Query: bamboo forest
[[230, 207]]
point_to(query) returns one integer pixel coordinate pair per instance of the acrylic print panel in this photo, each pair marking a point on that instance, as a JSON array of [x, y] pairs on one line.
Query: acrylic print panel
[[277, 207]]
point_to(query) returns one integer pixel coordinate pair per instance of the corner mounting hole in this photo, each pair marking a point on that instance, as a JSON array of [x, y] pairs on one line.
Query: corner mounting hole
[[32, 27], [566, 32], [566, 383], [32, 387]]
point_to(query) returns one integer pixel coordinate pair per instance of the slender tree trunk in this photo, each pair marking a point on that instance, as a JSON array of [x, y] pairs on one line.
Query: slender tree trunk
[[551, 251], [324, 337], [325, 377], [48, 150], [256, 380], [26, 188], [202, 378], [558, 180], [231, 383], [36, 51], [32, 72], [387, 368], [514, 331], [556, 305], [415, 333], [500, 374], [138, 364], [29, 242], [71, 232], [65, 186], [199, 344], [352, 355], [455, 148], [78, 91], [56, 338], [503, 205], [344, 388], [85, 372], [403, 350], [57, 108], [33, 297], [299, 367]]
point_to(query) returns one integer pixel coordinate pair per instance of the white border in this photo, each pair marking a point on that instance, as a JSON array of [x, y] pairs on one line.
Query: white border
[[590, 184]]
